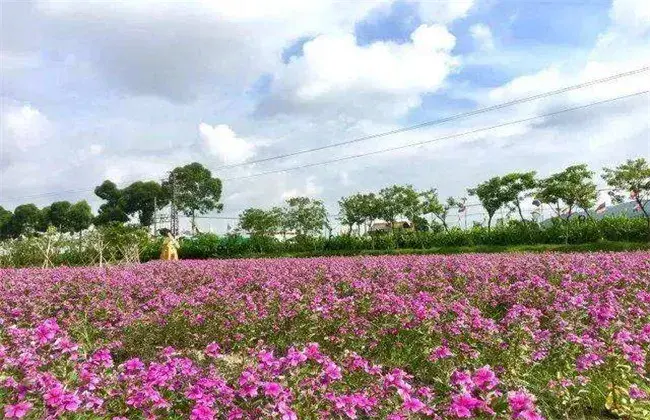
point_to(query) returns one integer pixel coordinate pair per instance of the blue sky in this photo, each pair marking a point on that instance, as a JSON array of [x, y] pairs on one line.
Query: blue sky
[[127, 91]]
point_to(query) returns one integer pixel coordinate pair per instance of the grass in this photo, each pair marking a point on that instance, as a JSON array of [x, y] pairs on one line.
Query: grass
[[477, 249]]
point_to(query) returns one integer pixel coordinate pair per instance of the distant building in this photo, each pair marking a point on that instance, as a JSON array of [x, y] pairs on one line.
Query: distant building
[[386, 226]]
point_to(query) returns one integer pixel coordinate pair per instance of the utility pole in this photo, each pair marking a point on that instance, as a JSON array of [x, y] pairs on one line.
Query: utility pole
[[155, 216], [173, 211]]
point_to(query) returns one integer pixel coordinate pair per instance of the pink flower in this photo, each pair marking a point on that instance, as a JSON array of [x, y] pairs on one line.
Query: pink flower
[[272, 389], [286, 411], [413, 405], [213, 350], [440, 352], [17, 411], [529, 415], [133, 365], [462, 379], [637, 393], [332, 371], [462, 405], [71, 402], [47, 330], [202, 412], [520, 400], [485, 379], [54, 396]]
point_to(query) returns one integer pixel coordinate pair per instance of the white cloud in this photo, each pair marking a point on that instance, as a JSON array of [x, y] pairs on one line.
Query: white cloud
[[482, 35], [25, 127], [633, 15], [444, 11], [221, 141], [380, 78], [96, 149], [309, 189]]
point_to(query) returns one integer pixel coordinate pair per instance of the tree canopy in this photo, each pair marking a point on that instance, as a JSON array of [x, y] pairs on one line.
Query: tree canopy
[[194, 190], [568, 190]]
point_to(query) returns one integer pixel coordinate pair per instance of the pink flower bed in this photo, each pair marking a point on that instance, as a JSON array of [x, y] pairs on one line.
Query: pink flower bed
[[468, 336]]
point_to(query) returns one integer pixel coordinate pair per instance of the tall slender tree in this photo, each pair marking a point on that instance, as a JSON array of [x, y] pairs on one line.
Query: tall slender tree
[[194, 190]]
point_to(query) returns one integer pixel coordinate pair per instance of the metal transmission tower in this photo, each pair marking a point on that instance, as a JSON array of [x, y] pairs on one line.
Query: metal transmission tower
[[173, 211]]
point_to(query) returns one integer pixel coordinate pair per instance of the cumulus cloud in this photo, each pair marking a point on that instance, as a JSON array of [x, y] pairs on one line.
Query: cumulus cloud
[[222, 142], [482, 35], [309, 189], [24, 127], [383, 77]]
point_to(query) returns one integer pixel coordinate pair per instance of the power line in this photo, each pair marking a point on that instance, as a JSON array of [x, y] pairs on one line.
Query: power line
[[384, 134], [420, 143], [443, 120]]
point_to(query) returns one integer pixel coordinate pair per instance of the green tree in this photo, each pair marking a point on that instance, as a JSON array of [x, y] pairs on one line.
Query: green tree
[[144, 198], [399, 200], [5, 219], [260, 222], [305, 216], [114, 208], [631, 177], [57, 215], [352, 211], [491, 195], [194, 190], [515, 186], [80, 216], [25, 220], [571, 189], [370, 209], [431, 204]]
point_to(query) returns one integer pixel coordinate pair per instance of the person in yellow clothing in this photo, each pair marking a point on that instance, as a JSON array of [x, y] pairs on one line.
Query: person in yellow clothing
[[169, 248]]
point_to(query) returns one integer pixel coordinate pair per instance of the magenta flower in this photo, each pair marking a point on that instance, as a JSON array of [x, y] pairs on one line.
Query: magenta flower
[[440, 352], [520, 400], [332, 371], [463, 405], [462, 379], [485, 379], [17, 411], [54, 397], [133, 365], [413, 405], [637, 393], [202, 412], [213, 350], [272, 389]]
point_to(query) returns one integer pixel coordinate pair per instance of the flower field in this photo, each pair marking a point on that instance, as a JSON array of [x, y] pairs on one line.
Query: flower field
[[469, 336]]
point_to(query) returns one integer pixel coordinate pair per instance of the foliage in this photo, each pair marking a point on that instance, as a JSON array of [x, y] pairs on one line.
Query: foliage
[[80, 216], [492, 195], [568, 190], [515, 187], [398, 200], [631, 177], [26, 219], [194, 190], [431, 204], [260, 222], [305, 216], [144, 198], [5, 219], [352, 211], [113, 210]]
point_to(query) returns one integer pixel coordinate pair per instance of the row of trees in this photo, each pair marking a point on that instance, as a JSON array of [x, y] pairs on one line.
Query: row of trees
[[26, 218], [192, 187], [301, 216], [566, 192], [195, 191]]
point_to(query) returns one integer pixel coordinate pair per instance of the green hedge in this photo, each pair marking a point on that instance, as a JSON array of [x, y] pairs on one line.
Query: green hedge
[[513, 234]]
